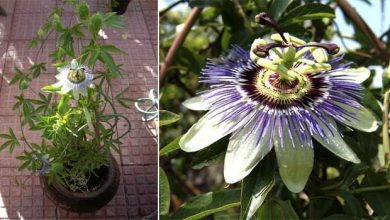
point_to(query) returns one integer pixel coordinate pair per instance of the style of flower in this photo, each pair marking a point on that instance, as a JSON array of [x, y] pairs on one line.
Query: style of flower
[[74, 77], [280, 95]]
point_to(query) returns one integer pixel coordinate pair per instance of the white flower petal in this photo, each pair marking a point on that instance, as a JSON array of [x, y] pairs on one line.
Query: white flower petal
[[358, 75], [83, 92], [62, 75], [208, 130], [363, 119], [76, 94], [295, 163], [57, 84], [335, 142], [65, 89], [197, 103], [244, 153]]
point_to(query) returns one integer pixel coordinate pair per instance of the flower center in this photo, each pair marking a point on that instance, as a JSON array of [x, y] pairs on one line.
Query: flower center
[[275, 88], [76, 75]]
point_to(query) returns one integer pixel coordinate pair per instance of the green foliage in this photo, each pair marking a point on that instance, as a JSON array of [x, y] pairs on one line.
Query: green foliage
[[164, 193], [336, 189], [11, 141], [207, 204], [276, 209], [167, 117]]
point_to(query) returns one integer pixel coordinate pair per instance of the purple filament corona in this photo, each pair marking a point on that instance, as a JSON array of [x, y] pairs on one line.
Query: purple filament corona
[[234, 93]]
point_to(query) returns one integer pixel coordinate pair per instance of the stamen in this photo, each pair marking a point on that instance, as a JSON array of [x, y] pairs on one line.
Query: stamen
[[331, 49]]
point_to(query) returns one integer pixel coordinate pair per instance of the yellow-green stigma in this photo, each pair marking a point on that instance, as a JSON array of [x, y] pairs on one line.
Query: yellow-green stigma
[[76, 75]]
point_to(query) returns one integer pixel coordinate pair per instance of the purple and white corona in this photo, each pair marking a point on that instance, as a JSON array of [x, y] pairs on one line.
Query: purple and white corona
[[280, 95]]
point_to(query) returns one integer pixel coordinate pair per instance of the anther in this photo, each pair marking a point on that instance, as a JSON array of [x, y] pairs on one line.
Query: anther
[[331, 49]]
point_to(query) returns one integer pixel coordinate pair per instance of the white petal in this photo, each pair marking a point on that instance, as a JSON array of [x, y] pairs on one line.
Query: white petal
[[57, 84], [197, 103], [65, 89], [295, 163], [208, 130], [244, 153], [335, 142], [358, 75], [63, 74], [76, 94], [83, 92], [363, 119]]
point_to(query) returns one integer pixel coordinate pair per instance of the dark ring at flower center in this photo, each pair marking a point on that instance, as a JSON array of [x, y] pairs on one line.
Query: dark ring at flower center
[[271, 85], [282, 85], [76, 75]]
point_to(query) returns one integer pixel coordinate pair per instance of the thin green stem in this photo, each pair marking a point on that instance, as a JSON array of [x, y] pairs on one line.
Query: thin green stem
[[370, 189], [385, 127]]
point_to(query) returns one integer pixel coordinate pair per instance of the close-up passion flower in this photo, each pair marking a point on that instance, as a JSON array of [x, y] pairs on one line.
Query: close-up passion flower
[[280, 95], [74, 77]]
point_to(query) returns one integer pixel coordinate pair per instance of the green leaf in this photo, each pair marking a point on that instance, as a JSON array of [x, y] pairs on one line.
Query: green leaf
[[307, 12], [339, 217], [36, 69], [352, 203], [12, 141], [18, 76], [255, 189], [207, 204], [24, 83], [378, 200], [51, 88], [112, 48], [210, 155], [167, 117], [95, 23], [169, 148], [113, 20], [57, 166], [276, 209], [207, 3], [83, 10], [277, 7], [164, 193], [110, 63]]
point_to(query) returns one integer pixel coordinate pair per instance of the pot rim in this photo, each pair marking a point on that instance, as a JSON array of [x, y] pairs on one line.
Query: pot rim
[[112, 165]]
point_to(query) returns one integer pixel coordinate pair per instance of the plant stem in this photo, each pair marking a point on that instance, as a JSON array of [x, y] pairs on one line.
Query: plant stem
[[385, 127], [379, 46], [370, 188], [179, 39]]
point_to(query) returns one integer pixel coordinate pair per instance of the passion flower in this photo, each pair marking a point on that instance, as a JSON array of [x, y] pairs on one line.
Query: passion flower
[[279, 95], [74, 77]]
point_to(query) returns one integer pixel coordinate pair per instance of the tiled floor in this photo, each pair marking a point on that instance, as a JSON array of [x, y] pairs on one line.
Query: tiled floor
[[137, 195]]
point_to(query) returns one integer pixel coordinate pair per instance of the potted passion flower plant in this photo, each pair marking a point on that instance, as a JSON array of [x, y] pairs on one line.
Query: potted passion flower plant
[[77, 120], [73, 160]]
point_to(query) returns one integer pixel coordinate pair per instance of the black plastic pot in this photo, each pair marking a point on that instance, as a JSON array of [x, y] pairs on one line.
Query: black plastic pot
[[119, 6], [80, 201]]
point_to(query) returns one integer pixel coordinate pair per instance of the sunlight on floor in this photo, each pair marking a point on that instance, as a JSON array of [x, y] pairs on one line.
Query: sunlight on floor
[[3, 210]]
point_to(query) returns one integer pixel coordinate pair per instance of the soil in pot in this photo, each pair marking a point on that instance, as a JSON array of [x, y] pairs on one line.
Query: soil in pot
[[119, 6], [103, 189]]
